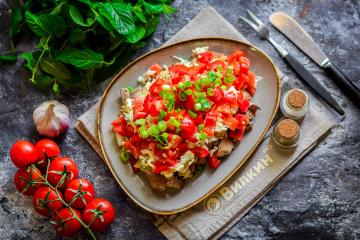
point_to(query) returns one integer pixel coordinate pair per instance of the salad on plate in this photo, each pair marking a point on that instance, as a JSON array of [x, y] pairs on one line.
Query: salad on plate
[[186, 116]]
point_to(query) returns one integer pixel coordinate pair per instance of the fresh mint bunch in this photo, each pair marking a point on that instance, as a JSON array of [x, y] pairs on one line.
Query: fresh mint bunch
[[81, 42]]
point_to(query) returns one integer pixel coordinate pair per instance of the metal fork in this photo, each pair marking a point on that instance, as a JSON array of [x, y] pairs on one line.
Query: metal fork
[[299, 68]]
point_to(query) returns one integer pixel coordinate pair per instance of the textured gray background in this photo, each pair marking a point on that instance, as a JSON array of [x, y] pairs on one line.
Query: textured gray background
[[318, 199]]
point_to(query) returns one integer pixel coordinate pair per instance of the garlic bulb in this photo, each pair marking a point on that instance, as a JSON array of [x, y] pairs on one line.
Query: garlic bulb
[[51, 118]]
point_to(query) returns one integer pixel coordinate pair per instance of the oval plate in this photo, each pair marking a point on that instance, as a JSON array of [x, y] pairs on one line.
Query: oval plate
[[195, 190]]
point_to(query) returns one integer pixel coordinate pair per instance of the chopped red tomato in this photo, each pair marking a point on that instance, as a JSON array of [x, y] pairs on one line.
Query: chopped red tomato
[[156, 68], [213, 162], [205, 57], [201, 152], [236, 135]]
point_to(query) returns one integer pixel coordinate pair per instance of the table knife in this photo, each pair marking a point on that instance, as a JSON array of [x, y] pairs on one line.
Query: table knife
[[293, 31]]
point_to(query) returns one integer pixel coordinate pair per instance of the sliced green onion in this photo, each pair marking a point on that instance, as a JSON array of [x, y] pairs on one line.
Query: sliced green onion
[[201, 127], [211, 75], [162, 126], [217, 82], [197, 87], [183, 96], [210, 91], [143, 132], [197, 106], [162, 115], [205, 81], [223, 87], [229, 79], [188, 92], [163, 138], [201, 136], [174, 122], [188, 84], [140, 121], [205, 104], [153, 130], [181, 85], [219, 68], [124, 156], [192, 114], [229, 70]]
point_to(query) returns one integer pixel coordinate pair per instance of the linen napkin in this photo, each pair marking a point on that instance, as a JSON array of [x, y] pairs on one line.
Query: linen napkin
[[220, 211]]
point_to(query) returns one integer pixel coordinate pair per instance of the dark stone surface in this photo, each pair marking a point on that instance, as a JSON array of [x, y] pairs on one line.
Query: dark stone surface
[[318, 199]]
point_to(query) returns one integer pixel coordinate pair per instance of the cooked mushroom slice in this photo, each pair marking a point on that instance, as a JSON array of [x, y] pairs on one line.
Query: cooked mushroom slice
[[157, 182], [175, 182], [125, 94], [225, 147], [251, 112]]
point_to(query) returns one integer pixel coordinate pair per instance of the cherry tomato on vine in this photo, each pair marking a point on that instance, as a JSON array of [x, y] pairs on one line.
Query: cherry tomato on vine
[[100, 213], [46, 147], [81, 190], [23, 153], [65, 225], [46, 200], [28, 180], [59, 167]]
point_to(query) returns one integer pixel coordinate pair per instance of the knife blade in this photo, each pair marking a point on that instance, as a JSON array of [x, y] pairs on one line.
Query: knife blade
[[293, 31]]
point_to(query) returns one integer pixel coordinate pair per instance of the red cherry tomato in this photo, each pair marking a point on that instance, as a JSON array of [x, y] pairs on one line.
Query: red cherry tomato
[[23, 153], [79, 192], [62, 166], [48, 147], [45, 201], [102, 211], [65, 223], [28, 180]]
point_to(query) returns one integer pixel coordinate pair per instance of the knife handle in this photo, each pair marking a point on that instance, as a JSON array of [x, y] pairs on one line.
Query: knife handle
[[313, 82], [343, 82]]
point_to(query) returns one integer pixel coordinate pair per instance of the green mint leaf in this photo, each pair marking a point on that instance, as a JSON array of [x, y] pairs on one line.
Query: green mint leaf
[[76, 16], [151, 25], [43, 81], [8, 58], [55, 68], [83, 59], [118, 14], [153, 8], [46, 24], [30, 61], [139, 13], [57, 10], [137, 35]]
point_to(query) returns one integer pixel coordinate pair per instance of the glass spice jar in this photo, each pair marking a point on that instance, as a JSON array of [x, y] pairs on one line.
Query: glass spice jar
[[295, 104], [286, 134]]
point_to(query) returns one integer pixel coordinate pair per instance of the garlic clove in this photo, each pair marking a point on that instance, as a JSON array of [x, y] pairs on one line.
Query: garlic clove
[[51, 118]]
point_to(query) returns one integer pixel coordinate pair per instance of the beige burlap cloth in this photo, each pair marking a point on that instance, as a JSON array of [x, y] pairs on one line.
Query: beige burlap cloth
[[216, 214]]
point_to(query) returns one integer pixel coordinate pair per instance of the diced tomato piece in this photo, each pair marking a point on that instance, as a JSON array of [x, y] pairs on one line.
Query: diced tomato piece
[[189, 103], [205, 57], [251, 84], [188, 124], [244, 105], [175, 79], [180, 69], [243, 121], [218, 94], [156, 68], [201, 152], [210, 120], [231, 122], [224, 108], [209, 131], [159, 169], [237, 134], [131, 148], [121, 127], [235, 56], [139, 115], [213, 162], [199, 119]]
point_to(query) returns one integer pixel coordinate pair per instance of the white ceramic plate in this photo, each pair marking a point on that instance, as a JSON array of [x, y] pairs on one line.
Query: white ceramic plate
[[195, 190]]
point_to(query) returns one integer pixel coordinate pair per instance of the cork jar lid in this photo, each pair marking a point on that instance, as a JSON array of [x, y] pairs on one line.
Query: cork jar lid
[[296, 98], [286, 132]]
